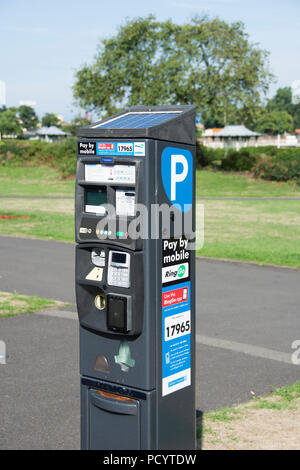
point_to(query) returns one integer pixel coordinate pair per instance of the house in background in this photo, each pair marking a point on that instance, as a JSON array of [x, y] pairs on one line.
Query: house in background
[[230, 137], [46, 134], [238, 137], [51, 134]]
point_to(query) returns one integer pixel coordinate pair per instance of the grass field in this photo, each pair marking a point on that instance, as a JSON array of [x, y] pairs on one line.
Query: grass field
[[263, 231], [219, 184], [269, 422], [27, 181], [12, 303]]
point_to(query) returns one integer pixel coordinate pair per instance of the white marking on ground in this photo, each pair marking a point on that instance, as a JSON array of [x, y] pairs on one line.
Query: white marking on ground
[[58, 313], [249, 349]]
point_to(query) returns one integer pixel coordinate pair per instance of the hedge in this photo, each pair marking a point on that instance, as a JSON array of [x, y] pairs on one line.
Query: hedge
[[269, 163], [60, 155]]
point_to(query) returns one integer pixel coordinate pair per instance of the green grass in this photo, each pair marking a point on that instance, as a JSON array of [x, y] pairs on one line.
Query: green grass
[[225, 184], [260, 231], [223, 414], [281, 399], [27, 181], [41, 224], [12, 304]]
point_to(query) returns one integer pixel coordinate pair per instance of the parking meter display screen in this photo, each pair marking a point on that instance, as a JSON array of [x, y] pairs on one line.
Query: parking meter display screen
[[118, 258], [96, 200]]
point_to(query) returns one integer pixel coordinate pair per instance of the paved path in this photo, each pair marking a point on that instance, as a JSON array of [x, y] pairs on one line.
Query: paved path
[[247, 318]]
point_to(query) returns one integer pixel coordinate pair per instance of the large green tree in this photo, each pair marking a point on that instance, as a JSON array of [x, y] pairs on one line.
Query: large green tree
[[28, 116], [50, 119], [282, 101], [9, 123], [207, 62], [274, 122]]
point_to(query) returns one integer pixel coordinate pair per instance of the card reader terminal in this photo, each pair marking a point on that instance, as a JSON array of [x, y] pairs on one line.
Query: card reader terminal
[[118, 269]]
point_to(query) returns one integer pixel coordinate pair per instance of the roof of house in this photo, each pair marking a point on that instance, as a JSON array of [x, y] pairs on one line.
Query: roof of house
[[236, 131], [211, 131], [52, 130]]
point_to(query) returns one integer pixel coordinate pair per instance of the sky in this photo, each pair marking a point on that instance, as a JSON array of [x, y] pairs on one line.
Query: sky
[[44, 43]]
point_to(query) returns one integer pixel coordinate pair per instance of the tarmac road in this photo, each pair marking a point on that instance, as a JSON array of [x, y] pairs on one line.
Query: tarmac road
[[247, 319]]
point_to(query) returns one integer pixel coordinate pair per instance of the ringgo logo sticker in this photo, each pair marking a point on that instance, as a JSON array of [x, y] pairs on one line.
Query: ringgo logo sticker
[[172, 273]]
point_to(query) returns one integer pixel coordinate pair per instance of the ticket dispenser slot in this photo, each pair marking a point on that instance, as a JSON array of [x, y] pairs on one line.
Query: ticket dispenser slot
[[114, 421]]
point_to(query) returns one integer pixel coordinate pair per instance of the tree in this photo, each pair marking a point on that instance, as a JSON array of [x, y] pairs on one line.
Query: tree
[[50, 119], [275, 122], [282, 101], [209, 63], [9, 124], [28, 116]]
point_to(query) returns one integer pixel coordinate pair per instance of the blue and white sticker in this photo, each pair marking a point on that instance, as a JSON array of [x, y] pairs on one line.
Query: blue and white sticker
[[176, 337], [177, 177], [127, 149]]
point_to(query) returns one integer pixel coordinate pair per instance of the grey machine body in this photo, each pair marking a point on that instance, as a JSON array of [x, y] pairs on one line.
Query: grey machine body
[[121, 295]]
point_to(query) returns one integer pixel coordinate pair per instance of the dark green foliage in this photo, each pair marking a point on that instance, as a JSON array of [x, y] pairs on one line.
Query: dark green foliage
[[60, 155], [268, 162], [284, 166], [241, 160], [282, 101], [9, 123], [28, 117], [207, 62], [206, 156], [50, 119]]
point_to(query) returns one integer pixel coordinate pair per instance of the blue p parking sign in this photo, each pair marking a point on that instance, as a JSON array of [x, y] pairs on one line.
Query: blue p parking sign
[[177, 177]]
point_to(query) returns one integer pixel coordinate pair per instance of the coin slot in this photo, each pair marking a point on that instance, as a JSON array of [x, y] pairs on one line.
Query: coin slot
[[100, 301]]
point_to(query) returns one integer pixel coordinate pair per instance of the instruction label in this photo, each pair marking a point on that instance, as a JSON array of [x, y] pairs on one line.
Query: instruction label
[[129, 149], [176, 315], [176, 334]]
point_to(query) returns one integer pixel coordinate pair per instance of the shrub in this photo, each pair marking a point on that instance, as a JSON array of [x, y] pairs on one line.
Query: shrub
[[61, 155], [241, 160], [206, 156], [279, 168]]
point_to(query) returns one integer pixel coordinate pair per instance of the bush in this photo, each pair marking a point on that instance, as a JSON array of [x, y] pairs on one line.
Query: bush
[[206, 156], [279, 168], [241, 160], [61, 155]]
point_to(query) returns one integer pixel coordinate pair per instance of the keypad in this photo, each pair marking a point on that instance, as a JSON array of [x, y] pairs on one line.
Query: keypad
[[119, 277]]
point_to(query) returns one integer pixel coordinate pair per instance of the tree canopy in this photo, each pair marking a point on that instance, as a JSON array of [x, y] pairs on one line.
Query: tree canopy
[[274, 122], [282, 101], [50, 119], [28, 116], [206, 62], [9, 123]]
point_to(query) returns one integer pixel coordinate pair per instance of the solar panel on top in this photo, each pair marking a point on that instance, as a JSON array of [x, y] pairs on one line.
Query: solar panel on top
[[137, 120]]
